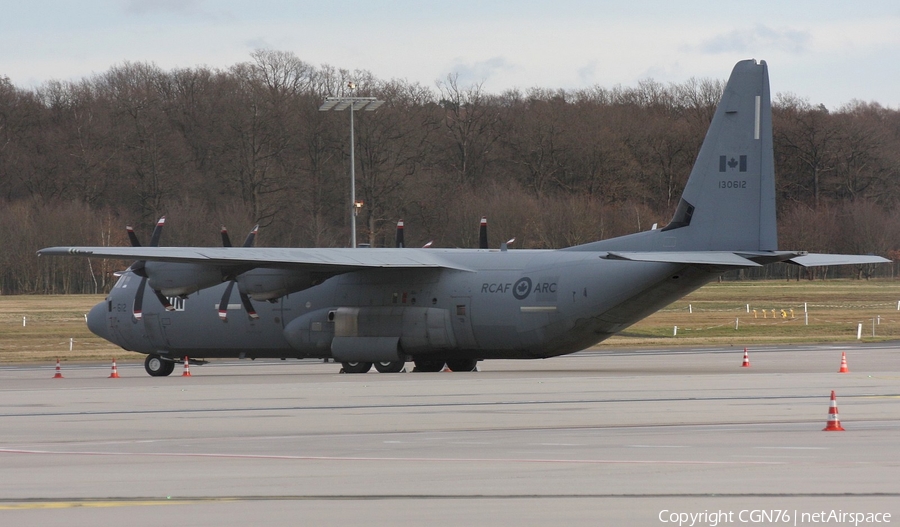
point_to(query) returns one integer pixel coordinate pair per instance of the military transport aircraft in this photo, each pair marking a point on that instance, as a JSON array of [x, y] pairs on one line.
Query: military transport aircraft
[[433, 306]]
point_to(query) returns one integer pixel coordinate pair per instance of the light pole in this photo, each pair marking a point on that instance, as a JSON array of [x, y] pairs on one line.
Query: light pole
[[368, 104]]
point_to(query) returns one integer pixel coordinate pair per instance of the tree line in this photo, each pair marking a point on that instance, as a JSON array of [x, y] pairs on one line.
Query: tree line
[[245, 145]]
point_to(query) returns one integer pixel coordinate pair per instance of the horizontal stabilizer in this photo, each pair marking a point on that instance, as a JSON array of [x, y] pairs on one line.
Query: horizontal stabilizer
[[815, 260], [718, 258]]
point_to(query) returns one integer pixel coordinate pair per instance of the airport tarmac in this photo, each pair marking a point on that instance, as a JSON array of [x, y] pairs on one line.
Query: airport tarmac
[[596, 438]]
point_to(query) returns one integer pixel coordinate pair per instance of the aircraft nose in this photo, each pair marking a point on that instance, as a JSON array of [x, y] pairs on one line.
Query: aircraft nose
[[96, 321]]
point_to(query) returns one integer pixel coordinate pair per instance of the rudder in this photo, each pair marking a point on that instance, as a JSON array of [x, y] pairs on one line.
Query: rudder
[[728, 203]]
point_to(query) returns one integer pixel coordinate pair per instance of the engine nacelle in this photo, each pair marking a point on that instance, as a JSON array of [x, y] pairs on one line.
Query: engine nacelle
[[178, 279], [268, 284]]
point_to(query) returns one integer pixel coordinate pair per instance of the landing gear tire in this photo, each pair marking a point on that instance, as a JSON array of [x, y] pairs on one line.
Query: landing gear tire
[[429, 365], [462, 364], [156, 366], [390, 367], [356, 367]]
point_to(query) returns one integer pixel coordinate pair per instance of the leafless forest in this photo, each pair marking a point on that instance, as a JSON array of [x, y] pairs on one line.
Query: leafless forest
[[79, 160]]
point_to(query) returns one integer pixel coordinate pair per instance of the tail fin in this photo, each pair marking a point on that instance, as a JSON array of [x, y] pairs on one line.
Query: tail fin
[[729, 200], [728, 203]]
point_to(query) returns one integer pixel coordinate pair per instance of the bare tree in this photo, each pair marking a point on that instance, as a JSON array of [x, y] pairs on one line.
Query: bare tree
[[471, 125], [808, 135]]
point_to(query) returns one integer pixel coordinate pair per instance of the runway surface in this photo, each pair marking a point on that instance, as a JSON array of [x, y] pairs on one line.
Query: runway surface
[[596, 438]]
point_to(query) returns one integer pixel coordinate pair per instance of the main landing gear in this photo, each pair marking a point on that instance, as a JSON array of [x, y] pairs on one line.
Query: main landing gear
[[422, 365], [462, 364], [453, 364], [356, 367], [382, 367], [390, 367], [156, 366]]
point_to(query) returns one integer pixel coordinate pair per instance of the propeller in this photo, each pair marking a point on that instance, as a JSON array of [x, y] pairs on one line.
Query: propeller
[[400, 243], [138, 269], [482, 234], [226, 296], [248, 242]]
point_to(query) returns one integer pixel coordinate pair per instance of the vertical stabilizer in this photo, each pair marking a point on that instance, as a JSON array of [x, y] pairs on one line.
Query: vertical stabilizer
[[729, 200], [728, 203]]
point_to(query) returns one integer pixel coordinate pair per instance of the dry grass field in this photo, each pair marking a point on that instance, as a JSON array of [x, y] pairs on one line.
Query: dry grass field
[[50, 323], [704, 318], [717, 314]]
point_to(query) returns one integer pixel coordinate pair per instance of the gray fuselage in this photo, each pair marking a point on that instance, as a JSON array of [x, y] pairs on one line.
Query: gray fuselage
[[510, 304]]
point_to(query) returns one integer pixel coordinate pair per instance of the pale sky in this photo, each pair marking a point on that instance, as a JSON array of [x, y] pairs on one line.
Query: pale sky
[[829, 52]]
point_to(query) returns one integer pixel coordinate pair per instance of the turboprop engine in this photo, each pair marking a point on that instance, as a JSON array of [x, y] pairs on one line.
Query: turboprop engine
[[180, 279], [269, 284]]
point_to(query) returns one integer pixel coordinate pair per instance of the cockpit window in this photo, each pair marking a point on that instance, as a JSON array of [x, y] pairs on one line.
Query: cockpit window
[[123, 281]]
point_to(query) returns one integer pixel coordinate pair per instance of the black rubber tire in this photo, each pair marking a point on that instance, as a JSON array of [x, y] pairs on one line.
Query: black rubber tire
[[390, 367], [356, 367], [156, 366], [429, 365], [462, 364], [170, 367]]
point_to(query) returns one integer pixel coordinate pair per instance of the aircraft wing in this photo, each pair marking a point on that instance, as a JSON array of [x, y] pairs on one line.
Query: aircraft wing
[[329, 260], [717, 258]]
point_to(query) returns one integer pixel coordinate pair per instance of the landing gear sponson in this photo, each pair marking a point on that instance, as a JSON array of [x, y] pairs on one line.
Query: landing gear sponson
[[421, 366]]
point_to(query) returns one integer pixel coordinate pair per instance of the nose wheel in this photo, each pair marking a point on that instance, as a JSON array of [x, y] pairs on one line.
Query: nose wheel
[[156, 366]]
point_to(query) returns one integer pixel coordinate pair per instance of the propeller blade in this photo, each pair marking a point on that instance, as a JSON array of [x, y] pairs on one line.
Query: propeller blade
[[157, 232], [223, 305], [482, 234], [164, 301], [400, 242], [427, 245], [251, 237], [132, 237], [248, 306], [139, 300], [226, 241]]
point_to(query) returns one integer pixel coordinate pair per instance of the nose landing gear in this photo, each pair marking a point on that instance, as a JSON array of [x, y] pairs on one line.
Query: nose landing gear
[[157, 366]]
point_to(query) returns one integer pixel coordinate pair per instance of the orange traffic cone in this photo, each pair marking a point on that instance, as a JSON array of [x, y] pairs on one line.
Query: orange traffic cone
[[746, 363], [58, 370], [834, 422], [187, 368], [843, 363], [115, 371]]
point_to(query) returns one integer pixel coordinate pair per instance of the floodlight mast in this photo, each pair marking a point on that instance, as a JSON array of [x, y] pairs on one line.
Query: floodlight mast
[[369, 104]]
